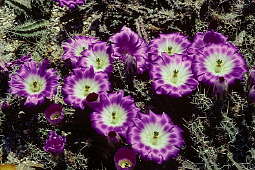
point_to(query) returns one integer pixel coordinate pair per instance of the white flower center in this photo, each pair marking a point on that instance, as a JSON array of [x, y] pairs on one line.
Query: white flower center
[[219, 64], [114, 115], [84, 87], [170, 48], [99, 60], [153, 135], [80, 48], [34, 84], [175, 74]]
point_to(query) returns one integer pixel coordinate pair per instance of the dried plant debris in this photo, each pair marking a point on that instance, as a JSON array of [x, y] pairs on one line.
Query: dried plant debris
[[169, 82]]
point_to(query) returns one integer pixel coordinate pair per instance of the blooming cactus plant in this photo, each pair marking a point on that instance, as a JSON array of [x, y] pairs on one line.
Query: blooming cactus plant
[[219, 60], [34, 82], [173, 76], [99, 56], [115, 113], [155, 137], [81, 83], [174, 43], [113, 80], [75, 46], [130, 48]]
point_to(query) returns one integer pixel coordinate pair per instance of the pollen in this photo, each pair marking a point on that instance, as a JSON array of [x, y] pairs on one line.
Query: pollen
[[125, 163], [55, 116]]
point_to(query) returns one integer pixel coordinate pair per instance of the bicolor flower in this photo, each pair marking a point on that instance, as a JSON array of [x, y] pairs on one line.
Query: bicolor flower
[[70, 3], [174, 43], [204, 39], [115, 113], [125, 159], [74, 47], [155, 137], [173, 76], [99, 56], [54, 114], [219, 60], [132, 49], [81, 83], [35, 82], [55, 143]]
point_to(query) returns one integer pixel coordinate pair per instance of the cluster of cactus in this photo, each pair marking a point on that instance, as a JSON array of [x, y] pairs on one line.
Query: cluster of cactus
[[86, 74]]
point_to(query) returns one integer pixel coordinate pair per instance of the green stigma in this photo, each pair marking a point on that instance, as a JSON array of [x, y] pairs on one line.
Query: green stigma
[[113, 118], [169, 50], [98, 61], [155, 138], [218, 67], [36, 86], [86, 90], [174, 77], [155, 134]]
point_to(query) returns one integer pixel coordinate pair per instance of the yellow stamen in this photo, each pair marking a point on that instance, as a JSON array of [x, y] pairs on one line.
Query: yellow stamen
[[125, 163], [98, 63], [113, 117], [35, 84], [55, 116], [35, 87]]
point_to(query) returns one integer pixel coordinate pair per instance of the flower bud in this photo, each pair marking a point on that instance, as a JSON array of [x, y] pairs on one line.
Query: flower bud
[[54, 114], [125, 159], [55, 143]]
